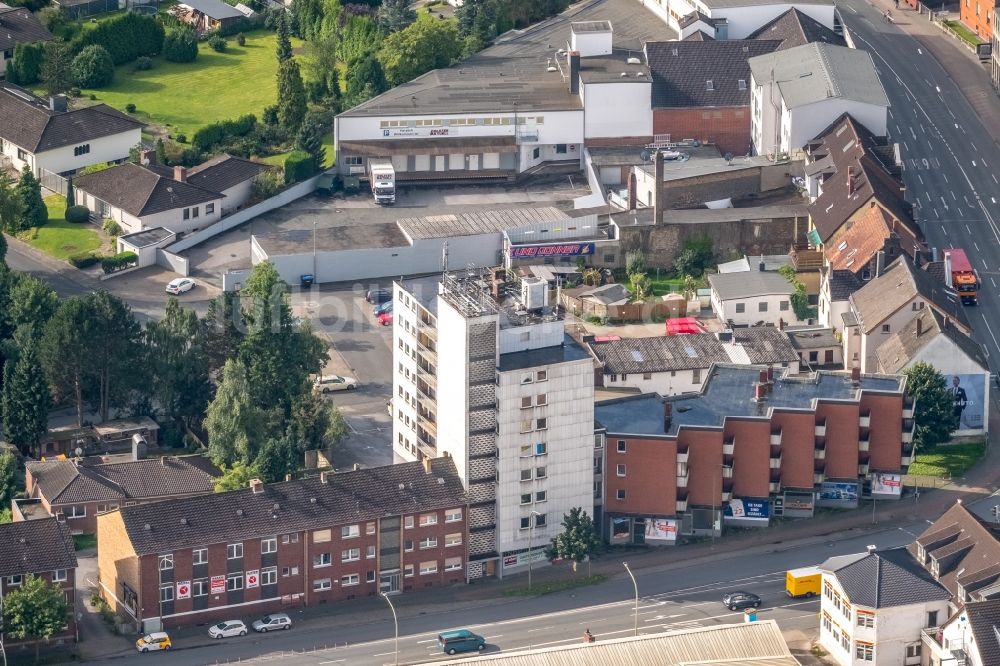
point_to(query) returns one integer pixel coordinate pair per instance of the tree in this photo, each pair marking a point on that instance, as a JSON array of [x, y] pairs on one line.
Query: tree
[[277, 457], [25, 396], [55, 70], [934, 412], [220, 330], [292, 104], [180, 45], [161, 152], [24, 68], [640, 285], [178, 363], [32, 206], [635, 262], [233, 422], [236, 477], [310, 140], [365, 79], [32, 302], [394, 15], [321, 66], [35, 611], [696, 256], [8, 477], [419, 48], [93, 67], [10, 204], [578, 540], [315, 423], [70, 192], [65, 350], [114, 350], [284, 46]]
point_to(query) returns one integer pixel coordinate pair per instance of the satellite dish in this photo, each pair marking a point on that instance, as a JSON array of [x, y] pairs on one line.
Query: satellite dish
[[78, 452], [645, 155]]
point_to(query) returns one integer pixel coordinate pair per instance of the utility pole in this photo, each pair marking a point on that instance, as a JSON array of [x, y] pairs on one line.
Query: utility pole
[[636, 586], [531, 537], [395, 621]]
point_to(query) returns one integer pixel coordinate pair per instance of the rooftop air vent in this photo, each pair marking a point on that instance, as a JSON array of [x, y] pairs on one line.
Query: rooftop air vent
[[623, 75], [632, 60], [641, 75], [709, 85], [239, 512], [184, 521], [147, 527], [674, 51]]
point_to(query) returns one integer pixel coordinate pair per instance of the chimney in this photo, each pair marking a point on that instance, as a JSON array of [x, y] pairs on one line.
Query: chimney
[[668, 415], [855, 376], [770, 375], [659, 195], [879, 263], [762, 376], [324, 477], [357, 466], [947, 269], [428, 465], [257, 486], [946, 322], [871, 549], [163, 461], [573, 58], [58, 103], [758, 392], [917, 257], [920, 325], [781, 324], [139, 447], [934, 254], [288, 477], [180, 174], [761, 266]]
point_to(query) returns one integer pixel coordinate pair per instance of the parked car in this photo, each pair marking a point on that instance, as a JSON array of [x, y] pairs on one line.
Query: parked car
[[385, 319], [227, 629], [180, 285], [272, 622], [382, 307], [741, 600], [334, 383], [461, 640], [157, 640], [378, 295]]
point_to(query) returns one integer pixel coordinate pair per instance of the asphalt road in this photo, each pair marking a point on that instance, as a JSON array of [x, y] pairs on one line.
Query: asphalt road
[[951, 163], [361, 632]]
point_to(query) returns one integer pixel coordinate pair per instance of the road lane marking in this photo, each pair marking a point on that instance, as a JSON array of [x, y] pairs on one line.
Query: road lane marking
[[973, 162], [968, 229], [990, 329], [976, 245], [920, 179], [945, 177], [985, 164]]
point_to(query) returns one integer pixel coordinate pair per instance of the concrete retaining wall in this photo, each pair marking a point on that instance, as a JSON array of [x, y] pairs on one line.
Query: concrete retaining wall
[[172, 262]]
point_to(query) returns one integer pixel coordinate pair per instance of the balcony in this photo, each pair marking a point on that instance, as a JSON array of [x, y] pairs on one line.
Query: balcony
[[819, 454], [863, 445], [863, 469], [908, 404], [907, 437], [865, 420], [727, 495], [427, 328], [427, 423], [682, 505], [821, 430], [682, 481], [425, 392], [775, 463], [774, 487], [819, 478], [727, 472], [907, 459], [682, 456], [776, 438], [425, 344], [728, 447]]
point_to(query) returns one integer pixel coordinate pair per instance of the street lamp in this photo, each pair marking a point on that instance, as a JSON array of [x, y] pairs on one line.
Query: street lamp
[[531, 537], [636, 586], [395, 621]]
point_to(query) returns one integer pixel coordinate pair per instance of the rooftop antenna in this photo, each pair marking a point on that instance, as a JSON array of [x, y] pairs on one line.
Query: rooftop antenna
[[444, 258]]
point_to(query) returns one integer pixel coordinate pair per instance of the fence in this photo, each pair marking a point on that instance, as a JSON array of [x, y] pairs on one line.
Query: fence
[[52, 181]]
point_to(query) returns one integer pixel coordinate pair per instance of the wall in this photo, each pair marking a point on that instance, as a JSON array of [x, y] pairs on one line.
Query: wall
[[106, 149], [726, 310], [404, 327], [453, 383], [842, 433], [897, 320], [737, 182], [117, 562], [236, 196], [704, 466], [173, 262], [885, 431], [618, 109], [978, 16], [170, 219], [671, 382], [806, 122], [798, 446], [650, 478], [751, 456], [728, 127], [899, 626]]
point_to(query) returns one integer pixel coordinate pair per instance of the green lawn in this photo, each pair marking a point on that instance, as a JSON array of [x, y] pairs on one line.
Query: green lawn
[[84, 541], [58, 237], [279, 159], [967, 35], [947, 461], [217, 86]]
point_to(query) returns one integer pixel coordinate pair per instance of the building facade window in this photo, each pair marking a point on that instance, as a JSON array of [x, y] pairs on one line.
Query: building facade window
[[234, 551], [428, 542], [269, 576], [166, 593], [234, 581], [269, 545], [199, 587], [620, 469], [59, 576], [428, 519], [166, 562], [427, 568], [350, 555], [81, 150], [350, 531], [349, 580], [321, 560], [321, 585], [453, 539], [199, 556], [620, 494]]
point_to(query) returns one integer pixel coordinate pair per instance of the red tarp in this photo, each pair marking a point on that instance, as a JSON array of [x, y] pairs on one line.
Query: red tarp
[[684, 326]]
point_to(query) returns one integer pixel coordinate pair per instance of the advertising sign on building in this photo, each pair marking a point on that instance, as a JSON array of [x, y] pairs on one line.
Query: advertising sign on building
[[404, 132], [747, 510], [184, 589], [661, 529], [521, 559], [562, 250], [967, 399], [887, 484], [798, 504], [253, 578], [621, 530], [838, 494], [218, 584]]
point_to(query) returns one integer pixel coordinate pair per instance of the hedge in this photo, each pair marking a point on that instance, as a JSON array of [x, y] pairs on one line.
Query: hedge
[[119, 262], [93, 67], [126, 37], [181, 45], [23, 69], [83, 259], [299, 165], [212, 135], [77, 214]]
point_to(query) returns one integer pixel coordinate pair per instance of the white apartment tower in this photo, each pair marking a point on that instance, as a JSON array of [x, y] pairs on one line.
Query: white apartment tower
[[508, 395]]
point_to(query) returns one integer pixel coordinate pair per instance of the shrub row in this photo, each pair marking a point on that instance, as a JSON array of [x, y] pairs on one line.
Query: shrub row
[[210, 136], [299, 165], [126, 37], [83, 259], [119, 262]]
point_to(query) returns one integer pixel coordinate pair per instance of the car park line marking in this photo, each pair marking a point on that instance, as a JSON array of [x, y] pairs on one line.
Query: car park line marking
[[968, 229], [976, 246]]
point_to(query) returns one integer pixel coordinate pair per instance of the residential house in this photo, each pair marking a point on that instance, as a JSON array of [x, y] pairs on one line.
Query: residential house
[[888, 303], [701, 90], [674, 364], [978, 16], [587, 301], [141, 197], [931, 338], [274, 547], [728, 20], [971, 636], [817, 346], [77, 491], [835, 289], [48, 135], [41, 548], [874, 609], [755, 434], [747, 299], [207, 15], [794, 28], [799, 91], [18, 26]]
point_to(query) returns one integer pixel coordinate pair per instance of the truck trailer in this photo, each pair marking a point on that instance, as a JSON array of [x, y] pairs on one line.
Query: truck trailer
[[382, 178], [961, 276]]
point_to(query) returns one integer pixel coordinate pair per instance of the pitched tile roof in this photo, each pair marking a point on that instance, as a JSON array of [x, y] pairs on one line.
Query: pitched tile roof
[[681, 71], [63, 482], [699, 36], [765, 345], [843, 284], [856, 243], [888, 578], [35, 546], [749, 284], [856, 185], [19, 26], [975, 566], [224, 171], [984, 618], [294, 505], [694, 17], [905, 345], [793, 28], [30, 124], [140, 191], [901, 283]]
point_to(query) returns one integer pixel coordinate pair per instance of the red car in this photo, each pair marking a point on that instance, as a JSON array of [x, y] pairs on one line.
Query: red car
[[385, 318]]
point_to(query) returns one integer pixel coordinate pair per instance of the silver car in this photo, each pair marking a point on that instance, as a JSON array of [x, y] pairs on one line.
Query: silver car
[[227, 629], [272, 622]]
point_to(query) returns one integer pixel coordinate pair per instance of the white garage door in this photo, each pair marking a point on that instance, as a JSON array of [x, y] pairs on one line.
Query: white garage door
[[422, 163], [491, 160], [456, 161], [399, 162], [439, 162]]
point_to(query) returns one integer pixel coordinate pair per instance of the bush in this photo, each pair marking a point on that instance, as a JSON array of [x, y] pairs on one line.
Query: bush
[[212, 135], [182, 138], [267, 184], [92, 97], [74, 91], [143, 63], [181, 45], [217, 42], [77, 214], [93, 67], [119, 262], [130, 108], [241, 39], [126, 37], [112, 228], [299, 165], [24, 67], [83, 260]]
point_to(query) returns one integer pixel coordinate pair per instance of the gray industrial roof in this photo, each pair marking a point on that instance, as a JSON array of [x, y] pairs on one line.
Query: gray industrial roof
[[333, 239], [818, 71], [888, 578], [147, 237], [472, 223], [731, 286], [569, 350]]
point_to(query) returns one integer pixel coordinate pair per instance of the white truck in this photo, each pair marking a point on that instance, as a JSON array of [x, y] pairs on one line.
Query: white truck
[[382, 177]]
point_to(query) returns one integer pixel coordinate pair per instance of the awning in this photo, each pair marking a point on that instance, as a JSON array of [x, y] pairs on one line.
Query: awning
[[684, 326], [436, 146]]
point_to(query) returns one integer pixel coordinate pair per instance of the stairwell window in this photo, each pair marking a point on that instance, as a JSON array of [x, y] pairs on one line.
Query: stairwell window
[[81, 150]]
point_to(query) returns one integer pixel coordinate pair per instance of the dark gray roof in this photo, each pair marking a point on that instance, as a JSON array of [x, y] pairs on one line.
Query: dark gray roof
[[843, 283], [811, 338], [749, 284], [984, 618], [694, 17], [699, 36], [765, 345], [214, 8], [293, 506], [793, 28], [224, 171], [30, 124], [608, 293], [681, 72], [659, 354], [35, 546], [142, 191], [19, 26], [888, 578], [905, 345], [973, 565], [569, 350]]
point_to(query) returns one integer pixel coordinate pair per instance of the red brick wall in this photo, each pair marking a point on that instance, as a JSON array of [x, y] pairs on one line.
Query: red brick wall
[[842, 430], [886, 431], [650, 480], [751, 453], [68, 587], [704, 466], [978, 15], [798, 445], [728, 127]]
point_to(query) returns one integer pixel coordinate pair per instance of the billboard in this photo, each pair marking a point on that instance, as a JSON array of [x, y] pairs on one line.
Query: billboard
[[967, 399], [661, 529], [887, 484], [184, 589], [218, 584], [838, 494], [253, 578], [621, 530], [746, 510], [561, 250], [522, 559]]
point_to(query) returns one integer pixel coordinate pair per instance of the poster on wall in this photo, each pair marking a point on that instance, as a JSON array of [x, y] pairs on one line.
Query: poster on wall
[[748, 510], [184, 589], [967, 399], [253, 578], [564, 250], [218, 584], [621, 530], [887, 484], [838, 494], [661, 529]]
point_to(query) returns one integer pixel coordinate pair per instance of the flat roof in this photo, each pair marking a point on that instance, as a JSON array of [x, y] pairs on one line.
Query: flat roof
[[591, 26], [424, 289], [811, 338], [609, 68], [147, 237], [729, 392], [702, 161], [569, 350], [332, 239], [476, 222]]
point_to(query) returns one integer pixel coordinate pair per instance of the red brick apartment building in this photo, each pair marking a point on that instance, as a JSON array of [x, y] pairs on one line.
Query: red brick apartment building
[[272, 547], [44, 549], [750, 434], [978, 15]]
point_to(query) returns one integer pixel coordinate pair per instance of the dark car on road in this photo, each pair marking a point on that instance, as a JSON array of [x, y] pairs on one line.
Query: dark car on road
[[378, 295], [741, 600]]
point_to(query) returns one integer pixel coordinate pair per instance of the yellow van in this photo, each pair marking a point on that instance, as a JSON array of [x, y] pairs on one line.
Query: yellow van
[[804, 582]]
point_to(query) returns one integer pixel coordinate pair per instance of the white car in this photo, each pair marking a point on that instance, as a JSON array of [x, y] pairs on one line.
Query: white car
[[228, 628], [272, 622], [334, 383], [180, 285]]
